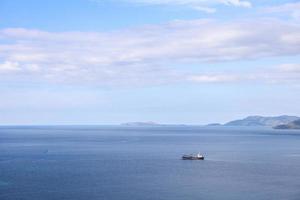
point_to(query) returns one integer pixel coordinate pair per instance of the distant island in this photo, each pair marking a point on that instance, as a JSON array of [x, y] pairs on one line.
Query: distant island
[[263, 121], [292, 125], [214, 124], [278, 122], [150, 123]]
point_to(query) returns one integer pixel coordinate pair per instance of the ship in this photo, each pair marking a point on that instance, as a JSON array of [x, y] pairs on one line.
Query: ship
[[193, 157]]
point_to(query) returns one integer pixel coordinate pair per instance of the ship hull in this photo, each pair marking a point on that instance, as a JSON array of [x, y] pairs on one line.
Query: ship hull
[[192, 158]]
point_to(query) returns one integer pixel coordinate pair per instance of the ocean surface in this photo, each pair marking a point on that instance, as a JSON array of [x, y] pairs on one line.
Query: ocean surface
[[143, 163]]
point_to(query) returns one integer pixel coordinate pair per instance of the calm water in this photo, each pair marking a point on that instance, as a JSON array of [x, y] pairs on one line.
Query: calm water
[[70, 163]]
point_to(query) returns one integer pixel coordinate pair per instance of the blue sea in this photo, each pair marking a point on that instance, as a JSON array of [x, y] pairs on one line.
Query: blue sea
[[143, 163]]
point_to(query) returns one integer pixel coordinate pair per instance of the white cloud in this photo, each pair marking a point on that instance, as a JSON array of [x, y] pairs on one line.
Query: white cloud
[[193, 3], [207, 6], [205, 9], [9, 66], [214, 78], [285, 74], [143, 55], [292, 9], [288, 73], [290, 68], [238, 3]]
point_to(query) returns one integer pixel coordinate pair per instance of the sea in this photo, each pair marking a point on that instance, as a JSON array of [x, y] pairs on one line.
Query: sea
[[144, 163]]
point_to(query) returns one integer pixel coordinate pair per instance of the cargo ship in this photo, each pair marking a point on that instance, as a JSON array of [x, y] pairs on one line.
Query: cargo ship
[[193, 157]]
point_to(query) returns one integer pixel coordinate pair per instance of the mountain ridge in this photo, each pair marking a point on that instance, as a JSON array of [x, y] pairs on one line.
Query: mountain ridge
[[292, 125], [257, 120]]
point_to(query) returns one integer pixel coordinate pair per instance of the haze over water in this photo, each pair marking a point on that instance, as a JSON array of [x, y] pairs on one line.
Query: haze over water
[[133, 163]]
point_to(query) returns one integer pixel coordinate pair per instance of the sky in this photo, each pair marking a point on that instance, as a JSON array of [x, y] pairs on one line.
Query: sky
[[169, 61]]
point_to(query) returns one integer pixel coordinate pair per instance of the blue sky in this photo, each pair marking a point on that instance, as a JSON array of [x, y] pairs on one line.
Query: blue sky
[[175, 61]]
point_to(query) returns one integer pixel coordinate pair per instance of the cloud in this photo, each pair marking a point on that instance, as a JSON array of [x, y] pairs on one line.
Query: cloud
[[291, 9], [205, 9], [238, 3], [288, 73], [195, 3], [290, 68], [8, 66], [214, 78], [207, 6], [143, 55]]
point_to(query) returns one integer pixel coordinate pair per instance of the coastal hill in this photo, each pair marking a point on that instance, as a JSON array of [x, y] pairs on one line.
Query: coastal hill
[[263, 121], [291, 125]]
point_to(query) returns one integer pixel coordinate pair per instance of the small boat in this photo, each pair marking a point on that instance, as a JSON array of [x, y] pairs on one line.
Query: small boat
[[193, 157]]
